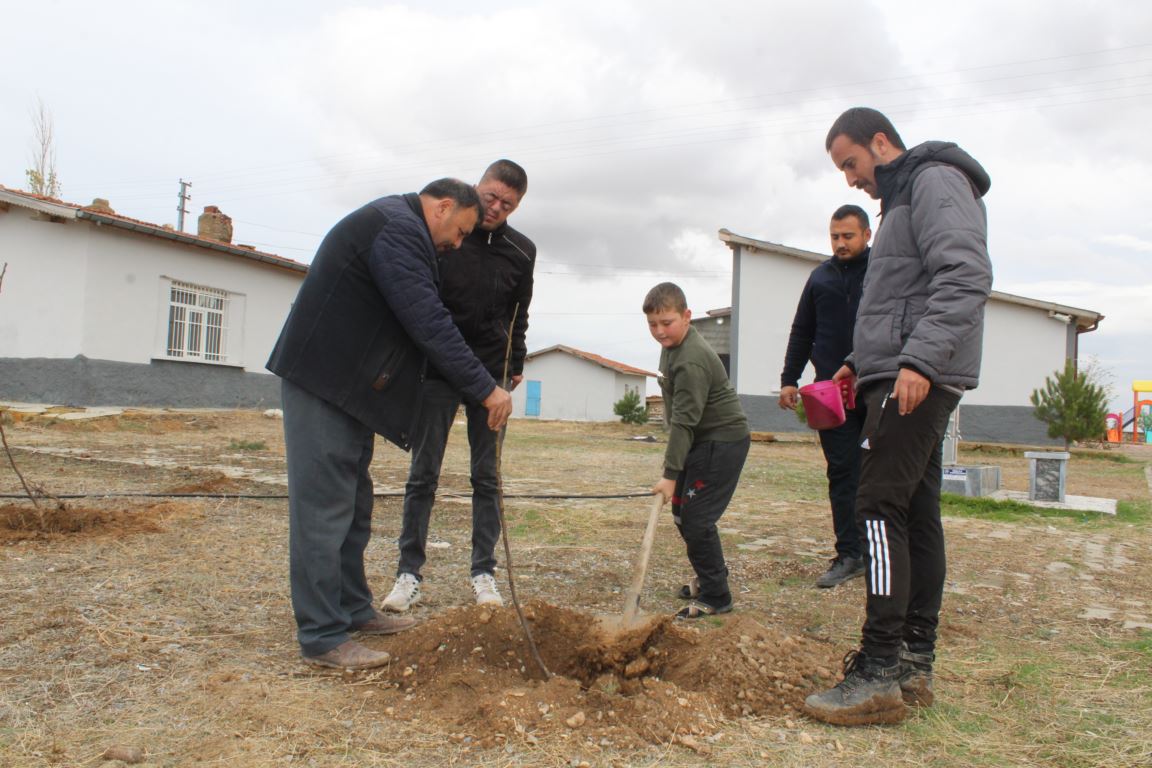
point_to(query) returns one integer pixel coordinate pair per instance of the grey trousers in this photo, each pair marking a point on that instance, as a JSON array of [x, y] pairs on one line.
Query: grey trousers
[[330, 517]]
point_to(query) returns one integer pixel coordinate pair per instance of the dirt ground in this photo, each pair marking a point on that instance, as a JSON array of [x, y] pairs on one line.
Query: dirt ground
[[149, 620]]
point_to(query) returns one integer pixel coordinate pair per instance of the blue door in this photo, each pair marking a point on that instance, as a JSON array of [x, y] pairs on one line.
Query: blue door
[[532, 398]]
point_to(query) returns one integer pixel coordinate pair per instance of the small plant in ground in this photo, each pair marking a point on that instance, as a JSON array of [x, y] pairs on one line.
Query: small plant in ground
[[248, 445], [1072, 404], [630, 409]]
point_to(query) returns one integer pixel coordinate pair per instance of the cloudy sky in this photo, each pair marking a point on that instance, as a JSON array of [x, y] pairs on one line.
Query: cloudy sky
[[644, 126]]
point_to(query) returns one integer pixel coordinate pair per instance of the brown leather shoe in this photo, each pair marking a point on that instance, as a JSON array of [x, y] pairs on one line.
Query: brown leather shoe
[[349, 655], [384, 625]]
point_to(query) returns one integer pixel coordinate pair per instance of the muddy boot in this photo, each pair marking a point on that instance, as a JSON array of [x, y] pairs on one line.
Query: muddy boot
[[916, 676], [868, 695]]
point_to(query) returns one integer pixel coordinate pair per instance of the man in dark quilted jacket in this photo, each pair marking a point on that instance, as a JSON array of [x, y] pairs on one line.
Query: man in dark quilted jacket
[[352, 357]]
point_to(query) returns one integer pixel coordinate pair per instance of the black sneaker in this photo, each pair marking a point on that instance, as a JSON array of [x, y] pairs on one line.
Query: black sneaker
[[841, 569], [869, 694], [916, 677]]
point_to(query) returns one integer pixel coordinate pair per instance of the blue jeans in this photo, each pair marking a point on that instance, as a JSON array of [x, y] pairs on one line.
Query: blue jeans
[[438, 409]]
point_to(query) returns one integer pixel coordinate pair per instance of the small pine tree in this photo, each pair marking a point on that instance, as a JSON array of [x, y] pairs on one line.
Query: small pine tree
[[1072, 404], [630, 409]]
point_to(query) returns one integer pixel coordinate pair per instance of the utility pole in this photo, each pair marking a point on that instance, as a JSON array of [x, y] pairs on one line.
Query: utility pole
[[180, 209]]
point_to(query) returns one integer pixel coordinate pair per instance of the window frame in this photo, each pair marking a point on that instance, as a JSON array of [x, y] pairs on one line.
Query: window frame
[[205, 303]]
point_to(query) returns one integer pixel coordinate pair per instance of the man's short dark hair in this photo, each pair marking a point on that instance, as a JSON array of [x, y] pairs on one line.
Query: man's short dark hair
[[845, 211], [860, 124], [664, 297], [464, 195], [509, 174]]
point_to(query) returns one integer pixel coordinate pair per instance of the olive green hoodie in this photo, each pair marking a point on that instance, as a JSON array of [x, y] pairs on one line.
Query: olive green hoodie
[[699, 402]]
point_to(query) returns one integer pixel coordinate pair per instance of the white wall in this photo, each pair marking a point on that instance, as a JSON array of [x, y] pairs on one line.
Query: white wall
[[572, 389], [42, 299], [766, 298], [1022, 344], [98, 291]]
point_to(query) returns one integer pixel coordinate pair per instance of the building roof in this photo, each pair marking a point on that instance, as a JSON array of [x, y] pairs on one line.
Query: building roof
[[597, 359], [62, 210], [1086, 320]]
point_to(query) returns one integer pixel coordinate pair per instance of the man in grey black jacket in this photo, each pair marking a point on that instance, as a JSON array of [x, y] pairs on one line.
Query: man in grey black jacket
[[916, 348]]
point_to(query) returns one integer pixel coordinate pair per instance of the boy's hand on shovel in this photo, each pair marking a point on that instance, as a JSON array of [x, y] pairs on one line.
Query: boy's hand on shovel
[[665, 488]]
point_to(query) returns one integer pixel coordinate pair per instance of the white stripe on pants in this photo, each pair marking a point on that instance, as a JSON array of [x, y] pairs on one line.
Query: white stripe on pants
[[880, 573]]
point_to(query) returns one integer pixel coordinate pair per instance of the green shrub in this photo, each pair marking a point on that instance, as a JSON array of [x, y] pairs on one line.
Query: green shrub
[[630, 409]]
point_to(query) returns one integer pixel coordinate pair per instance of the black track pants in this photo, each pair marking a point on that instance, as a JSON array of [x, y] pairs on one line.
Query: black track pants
[[898, 511], [703, 490]]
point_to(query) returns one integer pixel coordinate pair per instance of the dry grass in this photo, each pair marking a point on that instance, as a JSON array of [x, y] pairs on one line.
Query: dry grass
[[180, 642]]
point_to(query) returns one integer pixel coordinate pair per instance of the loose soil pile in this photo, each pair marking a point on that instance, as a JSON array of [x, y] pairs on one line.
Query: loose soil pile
[[23, 522], [470, 670]]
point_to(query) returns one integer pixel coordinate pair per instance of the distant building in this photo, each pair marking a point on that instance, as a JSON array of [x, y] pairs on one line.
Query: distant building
[[715, 327], [101, 309], [1025, 340], [569, 384]]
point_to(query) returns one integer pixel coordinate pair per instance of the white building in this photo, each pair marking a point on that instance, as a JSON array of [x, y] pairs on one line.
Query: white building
[[569, 384], [1025, 340], [98, 308]]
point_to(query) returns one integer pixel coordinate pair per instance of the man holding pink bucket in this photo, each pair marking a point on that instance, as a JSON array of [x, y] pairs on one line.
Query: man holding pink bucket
[[822, 333]]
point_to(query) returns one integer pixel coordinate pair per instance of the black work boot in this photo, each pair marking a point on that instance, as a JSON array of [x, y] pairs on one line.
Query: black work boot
[[841, 570], [916, 676], [869, 694]]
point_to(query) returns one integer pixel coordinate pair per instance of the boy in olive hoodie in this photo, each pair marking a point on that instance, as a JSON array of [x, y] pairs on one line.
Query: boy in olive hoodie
[[708, 442]]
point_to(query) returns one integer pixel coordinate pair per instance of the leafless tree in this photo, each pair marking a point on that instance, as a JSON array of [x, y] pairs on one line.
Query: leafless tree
[[42, 177]]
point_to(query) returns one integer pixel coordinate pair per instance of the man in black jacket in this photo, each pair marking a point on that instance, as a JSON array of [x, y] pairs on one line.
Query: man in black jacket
[[351, 358], [487, 286], [822, 333]]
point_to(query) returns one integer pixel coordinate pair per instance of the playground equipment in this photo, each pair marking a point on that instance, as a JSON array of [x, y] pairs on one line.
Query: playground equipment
[[1139, 406]]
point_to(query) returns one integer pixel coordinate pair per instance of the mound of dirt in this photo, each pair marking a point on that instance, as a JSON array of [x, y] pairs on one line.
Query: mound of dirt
[[471, 670], [216, 483], [22, 522]]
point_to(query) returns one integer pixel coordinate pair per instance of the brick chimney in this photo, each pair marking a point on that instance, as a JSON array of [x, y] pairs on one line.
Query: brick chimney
[[100, 205], [214, 225]]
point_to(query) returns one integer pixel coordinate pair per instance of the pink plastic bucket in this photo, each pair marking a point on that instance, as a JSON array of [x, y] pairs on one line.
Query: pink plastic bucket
[[824, 403]]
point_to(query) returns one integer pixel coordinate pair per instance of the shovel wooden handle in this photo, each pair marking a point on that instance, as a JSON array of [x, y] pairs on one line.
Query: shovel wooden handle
[[632, 597]]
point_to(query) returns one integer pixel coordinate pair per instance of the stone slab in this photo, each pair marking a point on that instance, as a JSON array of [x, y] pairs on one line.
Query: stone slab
[[1077, 503]]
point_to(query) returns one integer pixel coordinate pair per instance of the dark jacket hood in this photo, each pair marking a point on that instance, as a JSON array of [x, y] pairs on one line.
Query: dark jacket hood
[[894, 176]]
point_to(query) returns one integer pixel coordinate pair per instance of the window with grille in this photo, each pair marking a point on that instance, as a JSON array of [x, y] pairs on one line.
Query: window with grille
[[197, 323]]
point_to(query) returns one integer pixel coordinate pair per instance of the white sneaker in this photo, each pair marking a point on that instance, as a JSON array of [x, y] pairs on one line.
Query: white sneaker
[[484, 585], [405, 594]]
